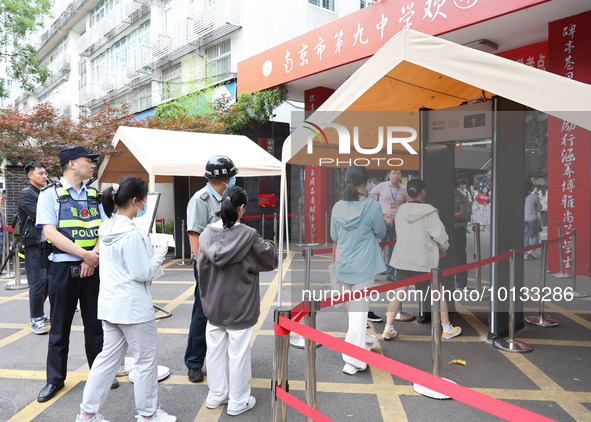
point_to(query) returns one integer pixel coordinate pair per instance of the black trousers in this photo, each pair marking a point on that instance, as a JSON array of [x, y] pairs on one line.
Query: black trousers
[[64, 293]]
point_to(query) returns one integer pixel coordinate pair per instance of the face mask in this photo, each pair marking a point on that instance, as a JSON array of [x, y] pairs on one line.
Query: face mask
[[232, 182], [140, 213]]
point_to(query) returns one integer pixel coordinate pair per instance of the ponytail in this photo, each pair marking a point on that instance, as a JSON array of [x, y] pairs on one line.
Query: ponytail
[[120, 193], [232, 198]]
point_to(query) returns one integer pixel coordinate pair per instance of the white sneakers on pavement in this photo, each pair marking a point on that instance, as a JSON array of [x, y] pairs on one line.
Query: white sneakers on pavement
[[96, 418], [389, 332], [251, 402], [159, 416]]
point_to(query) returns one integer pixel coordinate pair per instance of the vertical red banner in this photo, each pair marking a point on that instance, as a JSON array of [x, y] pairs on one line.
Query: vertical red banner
[[317, 181], [569, 148]]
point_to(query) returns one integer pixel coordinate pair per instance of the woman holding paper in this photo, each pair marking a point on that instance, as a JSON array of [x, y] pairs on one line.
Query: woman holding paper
[[127, 266]]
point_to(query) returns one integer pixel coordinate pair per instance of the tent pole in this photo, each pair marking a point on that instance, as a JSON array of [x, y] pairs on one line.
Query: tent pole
[[286, 218], [152, 188], [281, 212]]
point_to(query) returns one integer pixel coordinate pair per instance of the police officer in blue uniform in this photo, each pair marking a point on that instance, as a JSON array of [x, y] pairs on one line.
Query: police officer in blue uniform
[[70, 215], [202, 210]]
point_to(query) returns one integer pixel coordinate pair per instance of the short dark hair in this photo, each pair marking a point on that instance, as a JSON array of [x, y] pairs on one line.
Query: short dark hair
[[29, 168], [355, 176]]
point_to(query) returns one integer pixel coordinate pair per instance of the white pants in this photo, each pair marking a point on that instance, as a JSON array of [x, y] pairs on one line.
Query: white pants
[[142, 340], [357, 310], [228, 366]]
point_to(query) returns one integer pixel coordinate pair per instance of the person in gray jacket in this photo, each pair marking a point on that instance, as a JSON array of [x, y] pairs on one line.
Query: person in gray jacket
[[231, 256]]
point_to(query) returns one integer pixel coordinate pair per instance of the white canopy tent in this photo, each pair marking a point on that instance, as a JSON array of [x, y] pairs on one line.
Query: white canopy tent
[[414, 71], [160, 154]]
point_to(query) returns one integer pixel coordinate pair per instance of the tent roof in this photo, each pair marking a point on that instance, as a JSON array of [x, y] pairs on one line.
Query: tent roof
[[414, 70], [173, 153]]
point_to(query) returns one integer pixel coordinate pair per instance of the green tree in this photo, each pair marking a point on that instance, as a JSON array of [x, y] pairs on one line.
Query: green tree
[[19, 19]]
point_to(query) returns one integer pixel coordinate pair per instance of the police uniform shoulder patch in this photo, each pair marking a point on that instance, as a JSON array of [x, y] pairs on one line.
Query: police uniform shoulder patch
[[204, 196]]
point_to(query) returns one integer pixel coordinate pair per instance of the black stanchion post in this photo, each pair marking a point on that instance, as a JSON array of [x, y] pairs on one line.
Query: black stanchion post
[[183, 234], [539, 320], [510, 344], [280, 366], [576, 293], [311, 358], [275, 227], [263, 225]]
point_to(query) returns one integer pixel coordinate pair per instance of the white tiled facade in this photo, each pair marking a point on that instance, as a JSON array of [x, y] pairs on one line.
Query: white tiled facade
[[148, 51]]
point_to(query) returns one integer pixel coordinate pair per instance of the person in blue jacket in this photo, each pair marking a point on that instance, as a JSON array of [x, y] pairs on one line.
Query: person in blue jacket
[[356, 225]]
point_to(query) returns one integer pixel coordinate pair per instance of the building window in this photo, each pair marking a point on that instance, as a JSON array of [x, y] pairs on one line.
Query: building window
[[169, 12], [124, 52], [365, 3], [171, 86], [218, 61], [101, 10], [142, 100], [325, 4]]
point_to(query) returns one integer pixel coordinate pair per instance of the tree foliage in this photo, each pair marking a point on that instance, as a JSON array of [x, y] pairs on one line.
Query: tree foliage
[[19, 19]]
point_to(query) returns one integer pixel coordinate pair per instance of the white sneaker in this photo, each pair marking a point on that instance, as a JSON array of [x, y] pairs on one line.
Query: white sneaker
[[350, 369], [455, 331], [96, 418], [159, 416], [370, 341], [211, 405], [389, 332], [251, 402]]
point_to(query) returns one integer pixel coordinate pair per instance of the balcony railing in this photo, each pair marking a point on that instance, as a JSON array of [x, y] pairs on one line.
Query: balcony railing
[[62, 19], [121, 17]]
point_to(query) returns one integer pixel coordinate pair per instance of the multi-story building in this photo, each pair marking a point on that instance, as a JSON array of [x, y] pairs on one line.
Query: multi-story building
[[146, 52]]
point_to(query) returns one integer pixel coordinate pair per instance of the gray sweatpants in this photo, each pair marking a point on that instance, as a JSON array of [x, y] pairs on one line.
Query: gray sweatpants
[[142, 340]]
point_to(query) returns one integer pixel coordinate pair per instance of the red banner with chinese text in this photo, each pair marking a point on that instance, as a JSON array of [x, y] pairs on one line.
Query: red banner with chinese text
[[360, 34], [569, 147]]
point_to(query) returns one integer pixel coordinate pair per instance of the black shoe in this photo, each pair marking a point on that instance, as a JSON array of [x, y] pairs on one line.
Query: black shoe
[[195, 375], [115, 384], [49, 391], [373, 317], [424, 319]]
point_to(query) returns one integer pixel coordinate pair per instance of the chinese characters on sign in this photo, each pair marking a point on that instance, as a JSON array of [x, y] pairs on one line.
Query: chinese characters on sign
[[569, 151]]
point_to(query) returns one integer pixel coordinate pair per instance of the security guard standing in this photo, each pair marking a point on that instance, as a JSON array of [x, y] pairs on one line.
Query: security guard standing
[[70, 215], [202, 210]]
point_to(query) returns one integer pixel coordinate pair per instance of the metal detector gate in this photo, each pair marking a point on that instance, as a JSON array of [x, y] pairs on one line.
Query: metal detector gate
[[502, 123]]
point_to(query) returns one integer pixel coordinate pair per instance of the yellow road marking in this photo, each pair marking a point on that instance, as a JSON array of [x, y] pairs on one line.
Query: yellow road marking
[[14, 337], [574, 409]]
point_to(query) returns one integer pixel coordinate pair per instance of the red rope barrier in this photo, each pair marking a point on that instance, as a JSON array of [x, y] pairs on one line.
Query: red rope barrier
[[300, 406], [458, 392], [417, 279]]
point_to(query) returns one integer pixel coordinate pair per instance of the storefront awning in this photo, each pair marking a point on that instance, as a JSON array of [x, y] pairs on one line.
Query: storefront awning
[[414, 71]]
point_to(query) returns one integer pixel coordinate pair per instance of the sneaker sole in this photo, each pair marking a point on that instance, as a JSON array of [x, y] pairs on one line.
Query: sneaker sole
[[389, 337], [451, 336], [40, 332], [239, 412], [215, 406]]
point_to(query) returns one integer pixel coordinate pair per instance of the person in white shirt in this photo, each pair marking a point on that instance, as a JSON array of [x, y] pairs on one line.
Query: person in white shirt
[[127, 266]]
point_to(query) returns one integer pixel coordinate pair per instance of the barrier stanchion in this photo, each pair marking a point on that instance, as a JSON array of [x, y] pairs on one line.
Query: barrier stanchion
[[325, 228], [477, 257], [576, 293], [510, 344], [311, 358], [561, 274], [183, 231], [5, 246], [300, 229], [296, 340], [435, 337], [539, 320], [17, 285], [275, 227], [263, 226], [280, 367]]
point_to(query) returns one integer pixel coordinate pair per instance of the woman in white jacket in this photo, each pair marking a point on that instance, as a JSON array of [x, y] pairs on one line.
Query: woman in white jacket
[[421, 241], [127, 266]]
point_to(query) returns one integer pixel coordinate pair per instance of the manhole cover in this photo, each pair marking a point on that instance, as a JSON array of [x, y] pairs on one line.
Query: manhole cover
[[7, 408]]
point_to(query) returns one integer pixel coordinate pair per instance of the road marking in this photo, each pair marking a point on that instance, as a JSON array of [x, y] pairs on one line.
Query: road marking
[[574, 409]]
